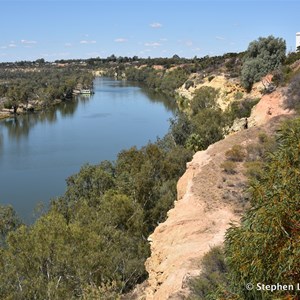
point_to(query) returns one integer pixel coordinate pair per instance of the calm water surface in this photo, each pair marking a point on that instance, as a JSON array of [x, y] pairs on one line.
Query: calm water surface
[[39, 151]]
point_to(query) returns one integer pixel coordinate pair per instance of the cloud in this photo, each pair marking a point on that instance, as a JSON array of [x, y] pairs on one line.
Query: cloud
[[68, 45], [220, 38], [87, 42], [3, 47], [120, 40], [12, 45], [189, 43], [28, 42], [152, 44], [155, 25]]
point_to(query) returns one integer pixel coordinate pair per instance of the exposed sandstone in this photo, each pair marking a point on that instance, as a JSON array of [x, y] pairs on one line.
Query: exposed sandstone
[[270, 105], [229, 89], [203, 210]]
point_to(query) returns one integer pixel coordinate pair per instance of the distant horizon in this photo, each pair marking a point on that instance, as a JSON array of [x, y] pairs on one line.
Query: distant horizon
[[85, 59], [77, 29]]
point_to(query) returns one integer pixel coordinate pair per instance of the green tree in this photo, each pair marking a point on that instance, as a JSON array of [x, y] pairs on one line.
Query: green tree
[[9, 221], [208, 124], [180, 128], [265, 248], [263, 56], [204, 97]]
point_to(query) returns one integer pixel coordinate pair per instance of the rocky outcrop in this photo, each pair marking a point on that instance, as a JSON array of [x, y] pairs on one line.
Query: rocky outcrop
[[229, 89]]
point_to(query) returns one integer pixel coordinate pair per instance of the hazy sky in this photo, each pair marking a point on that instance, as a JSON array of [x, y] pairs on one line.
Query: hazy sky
[[53, 29]]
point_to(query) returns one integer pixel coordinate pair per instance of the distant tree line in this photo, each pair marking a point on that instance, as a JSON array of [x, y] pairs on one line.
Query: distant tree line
[[44, 85]]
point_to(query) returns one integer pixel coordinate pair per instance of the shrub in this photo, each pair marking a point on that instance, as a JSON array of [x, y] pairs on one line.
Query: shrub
[[208, 124], [241, 109], [213, 275], [204, 97], [238, 95], [265, 247], [254, 169], [236, 153], [254, 152], [210, 78], [189, 84], [263, 56], [194, 142], [8, 104], [292, 57], [229, 167], [293, 94]]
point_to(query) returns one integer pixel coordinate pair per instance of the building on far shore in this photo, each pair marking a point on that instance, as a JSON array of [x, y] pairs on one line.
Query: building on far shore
[[297, 40]]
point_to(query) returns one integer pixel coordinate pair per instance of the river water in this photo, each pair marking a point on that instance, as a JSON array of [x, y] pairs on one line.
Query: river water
[[39, 151]]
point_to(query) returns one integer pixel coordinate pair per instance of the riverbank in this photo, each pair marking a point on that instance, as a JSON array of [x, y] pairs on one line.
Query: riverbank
[[4, 115], [40, 150], [33, 106]]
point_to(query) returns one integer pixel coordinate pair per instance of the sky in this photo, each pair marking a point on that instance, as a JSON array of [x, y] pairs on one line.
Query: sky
[[78, 29]]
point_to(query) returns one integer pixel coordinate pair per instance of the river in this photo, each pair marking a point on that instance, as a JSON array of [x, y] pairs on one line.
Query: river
[[39, 151]]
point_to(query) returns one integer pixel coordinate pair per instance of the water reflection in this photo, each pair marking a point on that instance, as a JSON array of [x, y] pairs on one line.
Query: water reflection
[[155, 97], [1, 142], [68, 108], [19, 127]]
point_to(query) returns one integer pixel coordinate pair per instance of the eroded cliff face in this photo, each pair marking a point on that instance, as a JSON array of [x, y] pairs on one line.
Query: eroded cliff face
[[197, 222], [208, 201], [229, 89]]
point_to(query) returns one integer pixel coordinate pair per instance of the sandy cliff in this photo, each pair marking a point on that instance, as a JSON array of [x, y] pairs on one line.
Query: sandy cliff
[[208, 200]]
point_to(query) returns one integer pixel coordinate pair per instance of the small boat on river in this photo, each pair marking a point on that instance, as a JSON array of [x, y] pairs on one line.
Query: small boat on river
[[86, 92]]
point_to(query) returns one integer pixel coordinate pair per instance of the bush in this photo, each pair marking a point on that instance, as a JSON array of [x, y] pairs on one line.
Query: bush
[[293, 94], [189, 84], [229, 167], [263, 56], [194, 142], [241, 109], [213, 275], [265, 247], [238, 96], [292, 57], [236, 153], [254, 152], [208, 124], [204, 97], [254, 169]]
